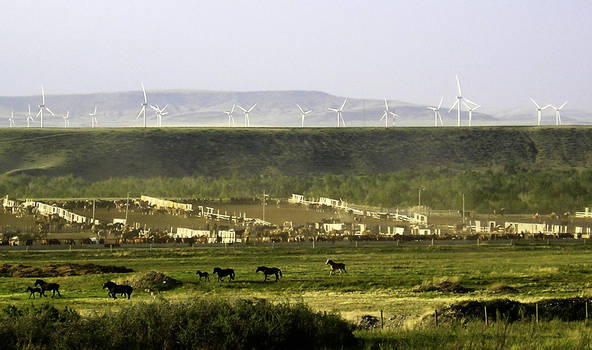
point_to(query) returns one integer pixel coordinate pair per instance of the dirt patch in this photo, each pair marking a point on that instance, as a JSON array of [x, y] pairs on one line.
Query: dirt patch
[[57, 270], [502, 288], [444, 285], [151, 279], [568, 309]]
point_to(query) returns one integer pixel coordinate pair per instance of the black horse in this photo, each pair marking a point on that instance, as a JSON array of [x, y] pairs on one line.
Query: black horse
[[32, 292], [121, 289], [54, 287], [270, 271], [335, 266], [223, 273], [203, 275]]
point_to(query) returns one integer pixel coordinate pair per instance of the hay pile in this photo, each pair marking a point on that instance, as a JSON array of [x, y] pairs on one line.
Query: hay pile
[[57, 270], [443, 284], [502, 288], [151, 279]]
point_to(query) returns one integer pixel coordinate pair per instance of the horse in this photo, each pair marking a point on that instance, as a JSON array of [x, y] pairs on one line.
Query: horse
[[335, 266], [121, 289], [54, 287], [223, 273], [270, 271], [153, 292], [203, 275], [32, 292]]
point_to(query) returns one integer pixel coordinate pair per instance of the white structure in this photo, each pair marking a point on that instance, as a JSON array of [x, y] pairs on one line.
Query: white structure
[[388, 114], [143, 105], [11, 119], [227, 236], [303, 114], [119, 221], [29, 117], [43, 107], [164, 203], [9, 203], [229, 114], [246, 113], [329, 202], [419, 219], [458, 102], [46, 209], [93, 118], [66, 118], [584, 214], [159, 114], [557, 113], [437, 115], [470, 108], [539, 111], [183, 232], [484, 226], [339, 111], [525, 227], [333, 227]]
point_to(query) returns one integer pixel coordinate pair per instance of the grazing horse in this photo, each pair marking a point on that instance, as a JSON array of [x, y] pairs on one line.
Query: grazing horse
[[270, 271], [54, 287], [203, 275], [118, 289], [223, 273], [32, 292], [335, 266]]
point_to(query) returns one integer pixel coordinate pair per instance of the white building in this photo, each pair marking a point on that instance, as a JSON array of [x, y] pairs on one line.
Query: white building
[[333, 227], [183, 232]]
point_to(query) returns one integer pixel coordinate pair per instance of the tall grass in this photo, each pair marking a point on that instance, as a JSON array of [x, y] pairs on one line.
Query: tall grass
[[204, 324]]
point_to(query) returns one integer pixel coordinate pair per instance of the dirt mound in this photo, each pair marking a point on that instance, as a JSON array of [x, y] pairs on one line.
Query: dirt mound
[[444, 285], [151, 279], [569, 309], [502, 288], [56, 270]]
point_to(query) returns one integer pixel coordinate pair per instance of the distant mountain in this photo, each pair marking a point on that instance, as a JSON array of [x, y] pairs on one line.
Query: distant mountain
[[274, 108]]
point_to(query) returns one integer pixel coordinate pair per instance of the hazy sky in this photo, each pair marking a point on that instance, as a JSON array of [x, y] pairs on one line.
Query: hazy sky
[[504, 51]]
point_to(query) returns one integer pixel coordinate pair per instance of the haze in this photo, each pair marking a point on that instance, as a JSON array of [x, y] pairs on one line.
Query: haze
[[504, 51]]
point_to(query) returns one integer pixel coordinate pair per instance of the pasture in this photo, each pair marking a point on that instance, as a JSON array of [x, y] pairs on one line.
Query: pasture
[[380, 276]]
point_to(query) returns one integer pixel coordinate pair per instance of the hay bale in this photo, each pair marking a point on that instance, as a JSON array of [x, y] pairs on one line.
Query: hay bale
[[502, 288], [151, 279], [443, 285]]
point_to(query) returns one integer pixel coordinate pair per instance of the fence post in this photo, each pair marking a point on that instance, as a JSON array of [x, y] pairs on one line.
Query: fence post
[[586, 301], [397, 242], [477, 241], [537, 312], [436, 317], [356, 244], [111, 247], [381, 320], [485, 310], [432, 242]]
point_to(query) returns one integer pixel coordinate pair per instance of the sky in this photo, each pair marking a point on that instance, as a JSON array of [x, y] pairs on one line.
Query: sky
[[503, 51]]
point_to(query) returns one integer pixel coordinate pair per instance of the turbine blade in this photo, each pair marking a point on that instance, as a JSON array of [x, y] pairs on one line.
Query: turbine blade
[[307, 112], [50, 112], [343, 105], [385, 104], [144, 91], [454, 105], [536, 104], [164, 108], [441, 100], [333, 109], [241, 108], [300, 108], [458, 85], [141, 110], [232, 109], [563, 105], [250, 109]]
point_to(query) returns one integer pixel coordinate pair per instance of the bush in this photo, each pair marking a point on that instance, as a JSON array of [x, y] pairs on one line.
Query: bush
[[205, 324]]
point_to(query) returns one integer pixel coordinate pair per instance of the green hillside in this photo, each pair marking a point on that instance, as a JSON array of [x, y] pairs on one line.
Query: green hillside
[[519, 168]]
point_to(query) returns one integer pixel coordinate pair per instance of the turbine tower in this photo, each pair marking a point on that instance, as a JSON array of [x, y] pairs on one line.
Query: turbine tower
[[159, 114], [246, 113], [470, 108], [43, 107], [339, 111], [230, 117], [458, 102], [66, 118], [93, 118], [11, 119], [557, 113], [29, 117], [387, 114], [437, 115], [539, 111], [143, 105], [303, 114]]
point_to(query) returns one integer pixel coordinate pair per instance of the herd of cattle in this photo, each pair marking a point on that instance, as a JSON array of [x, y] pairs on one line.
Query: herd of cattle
[[115, 289]]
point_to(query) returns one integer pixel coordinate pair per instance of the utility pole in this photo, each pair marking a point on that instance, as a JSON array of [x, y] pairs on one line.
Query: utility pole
[[263, 205], [463, 207], [126, 208], [419, 195], [93, 220]]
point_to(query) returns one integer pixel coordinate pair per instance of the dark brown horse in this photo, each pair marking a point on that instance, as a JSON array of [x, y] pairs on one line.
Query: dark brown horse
[[335, 266], [32, 292], [223, 273], [203, 275], [270, 271], [118, 289], [53, 287]]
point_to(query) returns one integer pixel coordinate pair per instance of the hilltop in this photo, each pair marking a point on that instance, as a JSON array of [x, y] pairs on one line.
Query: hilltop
[[97, 154]]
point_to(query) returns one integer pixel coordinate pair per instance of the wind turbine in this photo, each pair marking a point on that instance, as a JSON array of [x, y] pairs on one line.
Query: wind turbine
[[159, 114], [457, 102], [29, 117], [143, 105], [11, 119], [229, 114], [437, 115], [557, 113], [66, 118], [303, 114], [93, 118], [339, 111], [539, 111], [470, 108], [388, 114], [43, 107], [246, 113]]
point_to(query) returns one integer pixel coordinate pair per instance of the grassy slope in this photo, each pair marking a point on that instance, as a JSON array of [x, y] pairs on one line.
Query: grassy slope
[[176, 152]]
